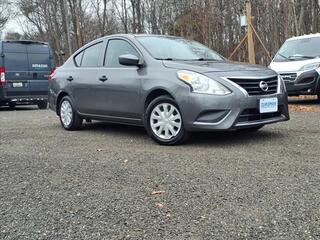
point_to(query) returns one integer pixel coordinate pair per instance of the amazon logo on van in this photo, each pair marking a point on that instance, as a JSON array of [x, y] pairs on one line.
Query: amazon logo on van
[[40, 65]]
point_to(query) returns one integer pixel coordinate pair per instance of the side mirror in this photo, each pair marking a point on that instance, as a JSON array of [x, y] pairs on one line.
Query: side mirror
[[130, 60]]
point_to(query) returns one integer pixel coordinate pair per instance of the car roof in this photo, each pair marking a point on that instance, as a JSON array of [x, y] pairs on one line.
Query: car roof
[[316, 35], [140, 35]]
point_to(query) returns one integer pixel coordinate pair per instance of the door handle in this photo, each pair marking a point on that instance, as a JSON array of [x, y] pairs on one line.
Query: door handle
[[103, 78], [70, 78]]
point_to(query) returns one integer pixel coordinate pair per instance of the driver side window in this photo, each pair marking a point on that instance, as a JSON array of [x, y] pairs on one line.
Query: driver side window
[[116, 48]]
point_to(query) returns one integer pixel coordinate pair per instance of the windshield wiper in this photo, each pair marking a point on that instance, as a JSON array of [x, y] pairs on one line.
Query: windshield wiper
[[285, 57], [301, 56], [166, 59]]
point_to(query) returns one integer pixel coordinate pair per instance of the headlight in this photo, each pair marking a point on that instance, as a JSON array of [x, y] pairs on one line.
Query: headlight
[[311, 66], [202, 84]]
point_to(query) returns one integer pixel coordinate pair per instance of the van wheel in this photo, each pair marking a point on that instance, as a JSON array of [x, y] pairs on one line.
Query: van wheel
[[12, 104], [69, 118], [163, 122], [43, 105]]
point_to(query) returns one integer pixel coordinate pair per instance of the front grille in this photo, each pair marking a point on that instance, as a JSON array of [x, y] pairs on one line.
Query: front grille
[[252, 86], [253, 114], [289, 76]]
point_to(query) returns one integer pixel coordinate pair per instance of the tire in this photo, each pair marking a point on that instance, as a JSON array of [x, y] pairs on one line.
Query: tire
[[12, 105], [251, 129], [170, 133], [69, 118], [43, 105]]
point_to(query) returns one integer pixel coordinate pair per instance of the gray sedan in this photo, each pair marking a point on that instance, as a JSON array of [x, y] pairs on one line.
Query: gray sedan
[[169, 85]]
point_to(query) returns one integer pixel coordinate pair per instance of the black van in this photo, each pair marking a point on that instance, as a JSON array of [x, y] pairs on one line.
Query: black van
[[24, 70]]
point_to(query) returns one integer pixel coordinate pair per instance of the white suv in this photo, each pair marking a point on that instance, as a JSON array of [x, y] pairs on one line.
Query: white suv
[[298, 62]]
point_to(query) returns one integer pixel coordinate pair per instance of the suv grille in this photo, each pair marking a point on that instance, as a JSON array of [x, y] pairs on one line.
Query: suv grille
[[252, 86], [289, 76]]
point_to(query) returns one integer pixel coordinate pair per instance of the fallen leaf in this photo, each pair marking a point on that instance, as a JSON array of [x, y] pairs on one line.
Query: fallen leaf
[[159, 205], [157, 192]]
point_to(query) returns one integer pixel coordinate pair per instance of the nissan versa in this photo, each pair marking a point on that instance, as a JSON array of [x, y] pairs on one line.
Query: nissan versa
[[169, 85]]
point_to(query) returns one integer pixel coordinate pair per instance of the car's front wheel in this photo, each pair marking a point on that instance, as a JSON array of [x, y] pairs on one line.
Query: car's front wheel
[[69, 118], [164, 123]]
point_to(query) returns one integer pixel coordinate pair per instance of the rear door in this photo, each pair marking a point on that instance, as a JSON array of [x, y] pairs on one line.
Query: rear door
[[15, 59], [40, 65]]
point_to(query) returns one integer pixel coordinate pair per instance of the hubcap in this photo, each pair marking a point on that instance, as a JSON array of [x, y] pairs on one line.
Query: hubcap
[[165, 121], [66, 113]]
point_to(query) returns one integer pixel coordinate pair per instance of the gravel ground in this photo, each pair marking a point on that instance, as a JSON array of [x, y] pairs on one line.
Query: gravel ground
[[112, 182]]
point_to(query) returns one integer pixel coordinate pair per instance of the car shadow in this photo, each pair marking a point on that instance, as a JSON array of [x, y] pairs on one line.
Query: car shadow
[[19, 108], [221, 138]]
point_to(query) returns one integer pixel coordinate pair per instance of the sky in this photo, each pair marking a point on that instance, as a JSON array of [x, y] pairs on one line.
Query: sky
[[12, 26]]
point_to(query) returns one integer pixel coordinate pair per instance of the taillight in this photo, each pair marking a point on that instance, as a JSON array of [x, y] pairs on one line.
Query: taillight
[[52, 73], [2, 76]]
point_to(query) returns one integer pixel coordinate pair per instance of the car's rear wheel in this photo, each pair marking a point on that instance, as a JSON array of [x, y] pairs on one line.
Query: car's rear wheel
[[69, 118], [163, 121], [42, 105]]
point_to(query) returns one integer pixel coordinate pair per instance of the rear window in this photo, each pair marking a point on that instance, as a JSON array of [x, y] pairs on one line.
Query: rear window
[[91, 56]]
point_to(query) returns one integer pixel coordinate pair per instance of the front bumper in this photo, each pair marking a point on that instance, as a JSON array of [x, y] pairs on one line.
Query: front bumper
[[235, 111], [32, 99], [305, 83]]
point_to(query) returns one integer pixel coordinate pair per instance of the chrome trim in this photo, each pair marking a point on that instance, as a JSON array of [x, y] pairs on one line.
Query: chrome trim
[[236, 85], [251, 77], [107, 116], [213, 124]]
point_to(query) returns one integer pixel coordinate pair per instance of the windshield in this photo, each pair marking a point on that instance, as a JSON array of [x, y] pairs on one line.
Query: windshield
[[170, 48], [300, 49]]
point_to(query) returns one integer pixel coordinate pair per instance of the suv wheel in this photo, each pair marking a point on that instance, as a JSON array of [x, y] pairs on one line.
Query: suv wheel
[[69, 119], [43, 105], [163, 121]]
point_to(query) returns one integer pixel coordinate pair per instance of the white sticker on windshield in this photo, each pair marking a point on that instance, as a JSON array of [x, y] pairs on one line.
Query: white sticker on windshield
[[39, 65]]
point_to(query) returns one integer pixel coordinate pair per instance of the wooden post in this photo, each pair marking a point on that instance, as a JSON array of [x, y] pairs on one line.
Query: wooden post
[[252, 57]]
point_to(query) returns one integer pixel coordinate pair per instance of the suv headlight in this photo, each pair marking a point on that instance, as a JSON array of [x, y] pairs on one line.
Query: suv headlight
[[311, 66], [202, 84]]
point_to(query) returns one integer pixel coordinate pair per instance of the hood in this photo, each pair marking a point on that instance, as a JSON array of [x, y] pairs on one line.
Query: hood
[[206, 67], [291, 66]]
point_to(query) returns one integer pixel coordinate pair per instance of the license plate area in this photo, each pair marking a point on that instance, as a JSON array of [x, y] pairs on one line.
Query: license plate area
[[268, 105], [17, 84]]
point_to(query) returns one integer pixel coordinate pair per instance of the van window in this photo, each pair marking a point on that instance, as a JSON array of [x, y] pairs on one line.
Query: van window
[[117, 48], [91, 56], [16, 61]]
